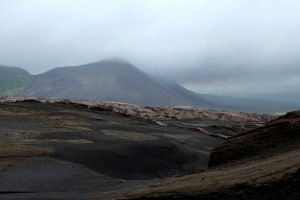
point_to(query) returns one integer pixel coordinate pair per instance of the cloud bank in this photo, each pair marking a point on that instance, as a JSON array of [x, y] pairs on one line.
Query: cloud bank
[[244, 48]]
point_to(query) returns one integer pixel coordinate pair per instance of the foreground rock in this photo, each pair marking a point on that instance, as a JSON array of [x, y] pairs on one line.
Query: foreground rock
[[260, 164]]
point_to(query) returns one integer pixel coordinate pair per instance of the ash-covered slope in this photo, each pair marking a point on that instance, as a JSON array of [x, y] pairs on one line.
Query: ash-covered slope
[[109, 80], [263, 163], [278, 136]]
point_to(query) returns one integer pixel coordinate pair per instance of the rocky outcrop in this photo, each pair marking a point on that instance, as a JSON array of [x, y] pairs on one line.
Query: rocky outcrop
[[155, 113]]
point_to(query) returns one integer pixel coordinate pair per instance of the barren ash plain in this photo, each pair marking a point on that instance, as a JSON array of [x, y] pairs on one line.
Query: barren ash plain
[[63, 149]]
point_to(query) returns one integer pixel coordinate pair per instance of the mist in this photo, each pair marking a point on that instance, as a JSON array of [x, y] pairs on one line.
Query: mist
[[225, 47]]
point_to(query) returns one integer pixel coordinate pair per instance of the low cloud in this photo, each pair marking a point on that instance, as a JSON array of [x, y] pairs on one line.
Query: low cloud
[[232, 47]]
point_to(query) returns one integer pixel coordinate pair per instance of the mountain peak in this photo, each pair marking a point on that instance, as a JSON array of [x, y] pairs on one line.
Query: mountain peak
[[116, 59]]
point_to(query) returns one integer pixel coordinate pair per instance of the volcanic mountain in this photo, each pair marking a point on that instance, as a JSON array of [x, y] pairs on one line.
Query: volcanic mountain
[[109, 80]]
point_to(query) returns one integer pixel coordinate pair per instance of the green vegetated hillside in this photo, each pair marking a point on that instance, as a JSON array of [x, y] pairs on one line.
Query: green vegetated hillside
[[13, 80]]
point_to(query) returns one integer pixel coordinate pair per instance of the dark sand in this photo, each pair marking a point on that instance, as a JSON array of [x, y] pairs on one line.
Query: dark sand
[[87, 152]]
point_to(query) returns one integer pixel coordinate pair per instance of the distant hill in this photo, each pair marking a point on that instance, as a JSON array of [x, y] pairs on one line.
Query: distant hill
[[13, 80], [118, 80]]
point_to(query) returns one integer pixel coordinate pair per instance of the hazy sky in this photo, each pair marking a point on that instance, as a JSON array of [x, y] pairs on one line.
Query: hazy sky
[[246, 48]]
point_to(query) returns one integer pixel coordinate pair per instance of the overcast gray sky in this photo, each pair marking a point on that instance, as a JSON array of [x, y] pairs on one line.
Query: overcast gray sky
[[245, 48]]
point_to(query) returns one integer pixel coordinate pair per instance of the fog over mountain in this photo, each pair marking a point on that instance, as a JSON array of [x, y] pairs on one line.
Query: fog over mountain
[[235, 48]]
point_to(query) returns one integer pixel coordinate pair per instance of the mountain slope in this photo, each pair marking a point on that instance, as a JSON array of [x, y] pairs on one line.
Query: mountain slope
[[13, 80], [109, 80]]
